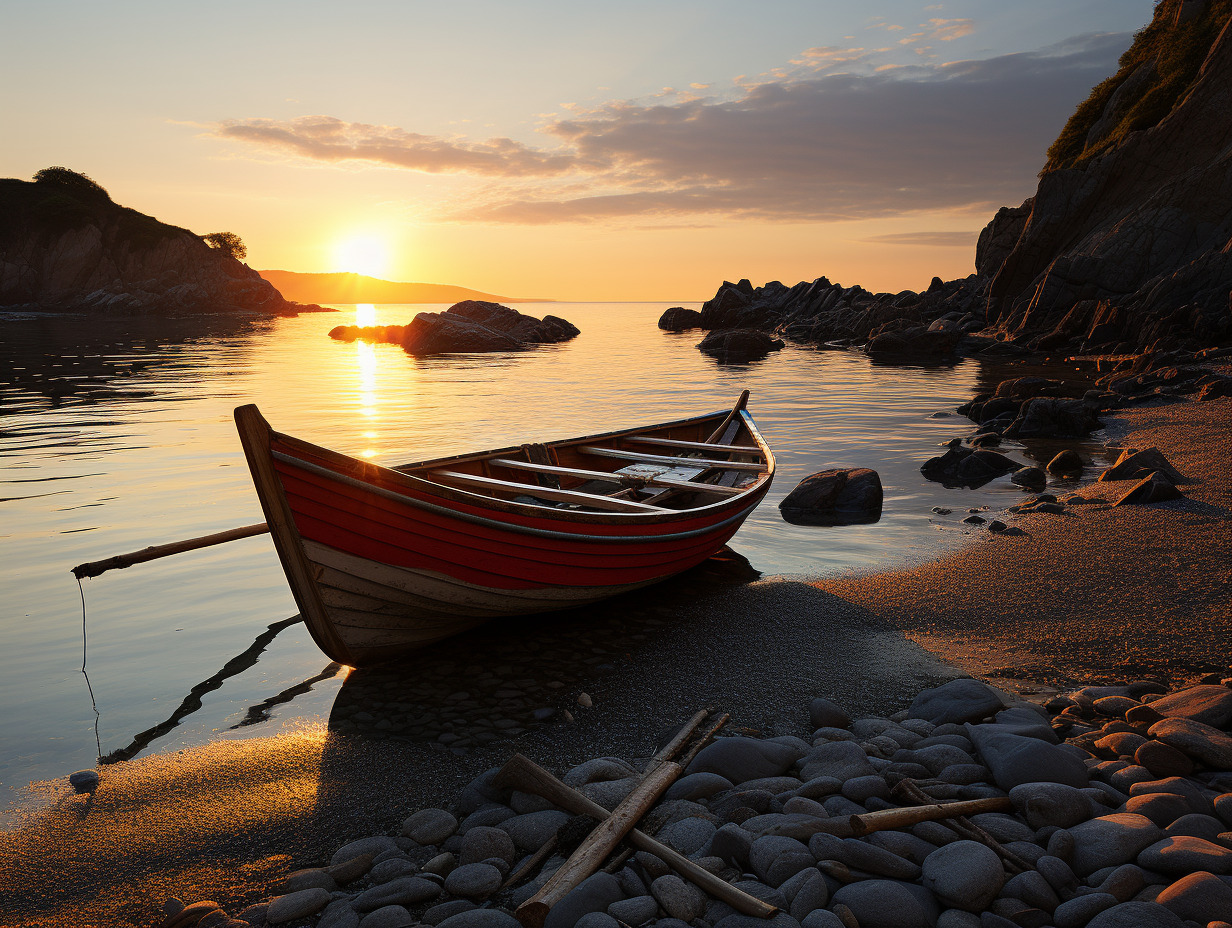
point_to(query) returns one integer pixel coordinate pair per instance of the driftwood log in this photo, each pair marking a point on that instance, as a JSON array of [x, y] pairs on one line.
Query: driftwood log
[[660, 773], [524, 774], [854, 826], [965, 828]]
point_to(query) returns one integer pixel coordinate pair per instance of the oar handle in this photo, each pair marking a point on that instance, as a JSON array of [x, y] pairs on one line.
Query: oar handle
[[94, 568]]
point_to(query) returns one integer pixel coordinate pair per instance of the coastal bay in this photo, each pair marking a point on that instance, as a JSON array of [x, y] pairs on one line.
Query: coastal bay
[[226, 819]]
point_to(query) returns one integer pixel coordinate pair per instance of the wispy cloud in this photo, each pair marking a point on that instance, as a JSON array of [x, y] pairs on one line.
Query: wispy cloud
[[326, 138], [932, 239], [799, 146]]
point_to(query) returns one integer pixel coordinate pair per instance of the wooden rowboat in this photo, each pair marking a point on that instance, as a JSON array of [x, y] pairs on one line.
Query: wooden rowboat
[[386, 560]]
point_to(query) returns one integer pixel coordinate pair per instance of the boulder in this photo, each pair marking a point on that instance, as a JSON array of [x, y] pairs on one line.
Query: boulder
[[825, 714], [1051, 417], [1032, 478], [520, 326], [1134, 465], [838, 496], [960, 467], [887, 904], [738, 346], [1202, 742], [958, 701], [1210, 704], [740, 759], [1111, 840], [965, 874], [1199, 897], [1015, 759], [1067, 463], [1154, 488], [913, 343], [442, 333], [1055, 804], [678, 319]]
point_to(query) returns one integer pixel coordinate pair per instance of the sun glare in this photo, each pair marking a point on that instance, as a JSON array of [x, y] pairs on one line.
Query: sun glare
[[362, 255], [365, 314]]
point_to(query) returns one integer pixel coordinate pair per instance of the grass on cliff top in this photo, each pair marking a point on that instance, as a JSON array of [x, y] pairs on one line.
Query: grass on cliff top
[[1178, 52], [31, 209]]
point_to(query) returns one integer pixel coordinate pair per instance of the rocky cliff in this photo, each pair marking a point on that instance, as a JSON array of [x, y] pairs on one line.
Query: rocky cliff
[[1125, 246], [1127, 243], [66, 246]]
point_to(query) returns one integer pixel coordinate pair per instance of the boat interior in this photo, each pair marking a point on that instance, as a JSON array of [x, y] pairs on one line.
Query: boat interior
[[660, 469]]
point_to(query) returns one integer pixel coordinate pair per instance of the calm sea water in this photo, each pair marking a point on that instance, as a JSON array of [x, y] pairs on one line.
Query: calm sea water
[[119, 435]]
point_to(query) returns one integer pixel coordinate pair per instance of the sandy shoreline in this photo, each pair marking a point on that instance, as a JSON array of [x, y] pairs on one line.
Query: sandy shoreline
[[1095, 595], [1094, 592]]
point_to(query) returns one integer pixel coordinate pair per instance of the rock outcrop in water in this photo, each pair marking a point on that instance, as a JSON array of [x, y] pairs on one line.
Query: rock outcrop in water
[[1125, 246], [469, 326], [65, 246]]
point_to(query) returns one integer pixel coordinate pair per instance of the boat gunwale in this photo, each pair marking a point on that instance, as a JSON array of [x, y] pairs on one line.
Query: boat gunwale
[[518, 527], [399, 478]]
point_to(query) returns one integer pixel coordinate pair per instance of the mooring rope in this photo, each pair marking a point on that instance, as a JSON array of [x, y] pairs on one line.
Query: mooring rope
[[98, 741]]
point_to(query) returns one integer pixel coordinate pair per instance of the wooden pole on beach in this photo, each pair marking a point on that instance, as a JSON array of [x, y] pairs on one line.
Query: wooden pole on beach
[[524, 774], [593, 851], [153, 553]]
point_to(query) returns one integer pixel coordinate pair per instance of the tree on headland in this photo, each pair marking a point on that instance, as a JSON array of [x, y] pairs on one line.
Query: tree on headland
[[228, 243], [70, 181]]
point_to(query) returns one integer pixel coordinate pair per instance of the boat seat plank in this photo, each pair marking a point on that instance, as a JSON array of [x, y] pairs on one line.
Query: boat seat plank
[[664, 459], [661, 479], [695, 445], [566, 496]]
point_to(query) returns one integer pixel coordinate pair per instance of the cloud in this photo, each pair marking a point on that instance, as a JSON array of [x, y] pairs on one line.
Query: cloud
[[933, 239], [326, 138], [799, 147]]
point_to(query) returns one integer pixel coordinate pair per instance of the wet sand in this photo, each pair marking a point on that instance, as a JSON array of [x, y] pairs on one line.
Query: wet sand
[[1095, 593], [1099, 594]]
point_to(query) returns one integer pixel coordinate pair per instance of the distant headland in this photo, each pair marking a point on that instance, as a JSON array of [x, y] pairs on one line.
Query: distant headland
[[357, 288], [66, 246]]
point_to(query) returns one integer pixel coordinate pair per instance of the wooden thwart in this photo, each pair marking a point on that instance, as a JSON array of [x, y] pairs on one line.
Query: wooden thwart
[[119, 561], [610, 477], [666, 459], [594, 500], [695, 445]]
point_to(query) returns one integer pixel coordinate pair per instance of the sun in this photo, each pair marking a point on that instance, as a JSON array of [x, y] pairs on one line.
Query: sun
[[365, 255]]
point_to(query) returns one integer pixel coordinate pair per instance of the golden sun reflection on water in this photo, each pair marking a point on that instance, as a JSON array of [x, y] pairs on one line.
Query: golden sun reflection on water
[[367, 361]]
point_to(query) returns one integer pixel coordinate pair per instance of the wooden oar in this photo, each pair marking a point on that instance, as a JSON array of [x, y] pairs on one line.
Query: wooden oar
[[593, 851], [522, 773], [94, 568]]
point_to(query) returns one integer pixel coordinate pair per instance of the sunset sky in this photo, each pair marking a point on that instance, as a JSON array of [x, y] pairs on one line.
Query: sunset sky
[[625, 150]]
